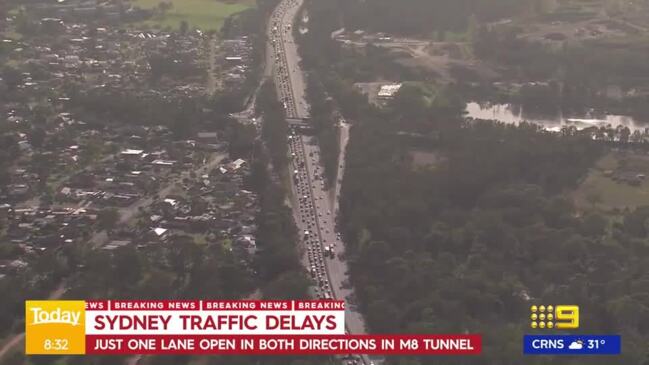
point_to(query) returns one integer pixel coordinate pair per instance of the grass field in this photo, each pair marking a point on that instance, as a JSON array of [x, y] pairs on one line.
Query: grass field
[[13, 35], [603, 193], [202, 14]]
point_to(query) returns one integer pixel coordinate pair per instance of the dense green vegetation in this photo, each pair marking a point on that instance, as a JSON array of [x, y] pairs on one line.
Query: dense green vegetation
[[324, 123], [471, 243], [331, 73], [279, 261], [426, 16], [7, 155], [580, 72], [275, 128]]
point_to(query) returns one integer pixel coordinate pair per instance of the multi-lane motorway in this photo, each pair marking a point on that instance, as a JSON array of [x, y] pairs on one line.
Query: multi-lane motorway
[[314, 205], [288, 75]]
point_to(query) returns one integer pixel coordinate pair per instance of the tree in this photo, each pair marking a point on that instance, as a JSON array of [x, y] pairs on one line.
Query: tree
[[165, 6], [36, 137], [410, 102], [289, 285], [42, 165], [158, 284], [12, 77], [624, 134], [108, 218], [242, 139], [160, 66], [128, 266], [184, 27], [17, 357], [275, 127], [25, 25]]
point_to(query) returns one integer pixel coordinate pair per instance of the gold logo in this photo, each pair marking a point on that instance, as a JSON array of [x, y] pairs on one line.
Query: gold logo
[[559, 316]]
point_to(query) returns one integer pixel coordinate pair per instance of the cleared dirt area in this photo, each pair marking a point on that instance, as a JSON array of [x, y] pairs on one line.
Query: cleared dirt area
[[439, 58], [425, 159]]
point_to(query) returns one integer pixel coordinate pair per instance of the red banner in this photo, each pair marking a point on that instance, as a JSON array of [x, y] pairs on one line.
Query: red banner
[[209, 327], [284, 344]]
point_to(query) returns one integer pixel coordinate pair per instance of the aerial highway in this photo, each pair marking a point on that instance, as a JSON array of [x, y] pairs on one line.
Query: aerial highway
[[314, 204]]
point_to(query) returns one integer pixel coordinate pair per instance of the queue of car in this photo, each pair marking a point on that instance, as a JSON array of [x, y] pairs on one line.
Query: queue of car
[[317, 251], [313, 212], [282, 81]]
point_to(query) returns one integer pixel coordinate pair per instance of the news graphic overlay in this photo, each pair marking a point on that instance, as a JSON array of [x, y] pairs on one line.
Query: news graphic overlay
[[196, 327], [565, 317], [55, 327], [572, 344], [559, 316]]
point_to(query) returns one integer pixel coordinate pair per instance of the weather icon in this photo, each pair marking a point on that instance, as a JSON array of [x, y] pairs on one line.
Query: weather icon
[[576, 345]]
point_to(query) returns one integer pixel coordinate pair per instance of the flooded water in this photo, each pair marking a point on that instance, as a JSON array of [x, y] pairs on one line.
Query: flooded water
[[511, 114]]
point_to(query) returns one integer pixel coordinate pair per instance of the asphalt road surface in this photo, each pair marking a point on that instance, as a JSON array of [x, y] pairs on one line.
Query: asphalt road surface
[[289, 77], [314, 209]]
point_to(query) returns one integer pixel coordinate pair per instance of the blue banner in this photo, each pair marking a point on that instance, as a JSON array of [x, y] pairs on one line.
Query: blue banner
[[572, 345]]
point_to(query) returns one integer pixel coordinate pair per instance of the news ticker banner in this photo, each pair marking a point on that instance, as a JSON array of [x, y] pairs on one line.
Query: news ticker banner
[[123, 327]]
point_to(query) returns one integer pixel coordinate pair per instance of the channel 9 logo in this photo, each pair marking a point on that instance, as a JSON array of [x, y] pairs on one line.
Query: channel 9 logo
[[559, 316]]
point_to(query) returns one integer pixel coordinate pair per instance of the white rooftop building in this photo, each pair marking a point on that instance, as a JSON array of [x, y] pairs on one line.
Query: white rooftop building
[[389, 91]]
